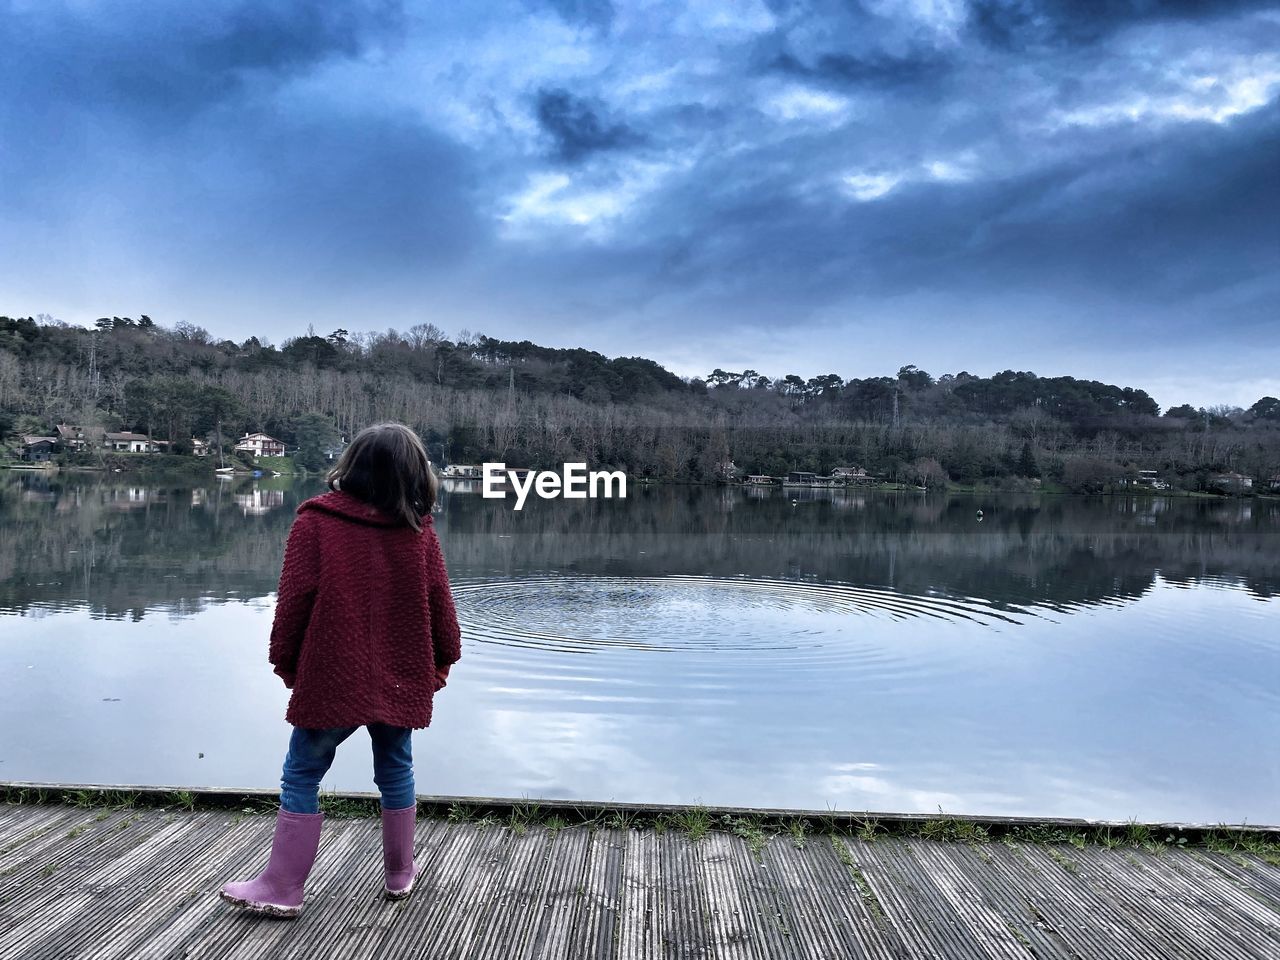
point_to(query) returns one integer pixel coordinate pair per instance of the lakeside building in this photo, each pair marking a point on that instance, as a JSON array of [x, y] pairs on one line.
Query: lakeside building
[[1150, 479], [1230, 482], [260, 445], [852, 475], [38, 449], [849, 473], [463, 471], [77, 438], [74, 436], [803, 478], [127, 442]]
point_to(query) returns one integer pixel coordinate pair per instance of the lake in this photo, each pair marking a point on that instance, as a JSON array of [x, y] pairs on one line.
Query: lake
[[1061, 656]]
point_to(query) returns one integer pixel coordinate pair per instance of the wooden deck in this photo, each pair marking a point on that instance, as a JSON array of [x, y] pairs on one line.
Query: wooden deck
[[143, 883]]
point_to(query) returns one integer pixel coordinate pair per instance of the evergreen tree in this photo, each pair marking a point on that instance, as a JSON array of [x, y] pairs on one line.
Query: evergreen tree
[[313, 433], [1027, 466]]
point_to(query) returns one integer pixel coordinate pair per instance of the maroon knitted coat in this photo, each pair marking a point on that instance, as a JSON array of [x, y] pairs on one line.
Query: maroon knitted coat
[[365, 630]]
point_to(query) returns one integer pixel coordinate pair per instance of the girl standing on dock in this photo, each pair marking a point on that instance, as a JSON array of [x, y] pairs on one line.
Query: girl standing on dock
[[364, 634]]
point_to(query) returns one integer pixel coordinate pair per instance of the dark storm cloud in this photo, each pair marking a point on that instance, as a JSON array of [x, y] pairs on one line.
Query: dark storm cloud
[[1017, 24], [875, 69], [161, 132], [597, 13], [1180, 217], [287, 36], [387, 198], [576, 127], [844, 45], [164, 63]]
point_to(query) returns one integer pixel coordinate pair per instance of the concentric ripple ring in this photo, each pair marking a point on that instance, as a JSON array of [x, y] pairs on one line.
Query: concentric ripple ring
[[691, 613]]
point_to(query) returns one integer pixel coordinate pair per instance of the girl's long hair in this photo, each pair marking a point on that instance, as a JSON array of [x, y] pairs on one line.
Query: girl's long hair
[[387, 466]]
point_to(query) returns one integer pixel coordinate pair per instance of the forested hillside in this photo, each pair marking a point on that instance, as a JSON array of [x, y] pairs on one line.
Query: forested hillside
[[475, 398]]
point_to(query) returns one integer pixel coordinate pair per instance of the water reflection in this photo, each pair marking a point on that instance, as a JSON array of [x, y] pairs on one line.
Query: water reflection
[[73, 540], [1075, 657]]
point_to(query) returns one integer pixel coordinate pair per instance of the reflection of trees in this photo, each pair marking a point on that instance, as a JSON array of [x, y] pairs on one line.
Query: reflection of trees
[[1057, 551], [124, 549]]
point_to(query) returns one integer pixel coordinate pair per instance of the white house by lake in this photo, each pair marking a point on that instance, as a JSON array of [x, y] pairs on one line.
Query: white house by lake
[[260, 445], [126, 442]]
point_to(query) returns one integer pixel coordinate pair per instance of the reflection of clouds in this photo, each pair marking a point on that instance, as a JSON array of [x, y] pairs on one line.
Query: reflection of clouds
[[1043, 787], [572, 749], [874, 793], [1092, 799], [854, 787], [532, 693]]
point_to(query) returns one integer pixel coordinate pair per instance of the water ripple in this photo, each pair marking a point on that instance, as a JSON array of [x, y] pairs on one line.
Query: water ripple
[[694, 614]]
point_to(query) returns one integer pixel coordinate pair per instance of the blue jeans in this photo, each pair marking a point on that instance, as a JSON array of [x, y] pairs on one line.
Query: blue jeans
[[311, 754]]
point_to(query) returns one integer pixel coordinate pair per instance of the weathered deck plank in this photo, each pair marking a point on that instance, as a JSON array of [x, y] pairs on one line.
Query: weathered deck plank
[[741, 921], [978, 919], [1186, 900], [593, 926], [510, 915], [642, 898], [909, 905], [143, 884], [683, 920], [1090, 928], [825, 884], [1011, 901], [69, 874], [1242, 869], [155, 873]]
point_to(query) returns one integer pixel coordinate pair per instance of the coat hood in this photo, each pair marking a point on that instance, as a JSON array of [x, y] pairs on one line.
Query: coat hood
[[351, 508]]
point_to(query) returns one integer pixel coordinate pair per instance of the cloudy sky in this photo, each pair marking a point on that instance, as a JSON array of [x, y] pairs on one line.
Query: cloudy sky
[[795, 186]]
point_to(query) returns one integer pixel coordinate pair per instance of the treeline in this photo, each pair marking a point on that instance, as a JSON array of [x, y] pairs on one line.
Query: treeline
[[477, 398]]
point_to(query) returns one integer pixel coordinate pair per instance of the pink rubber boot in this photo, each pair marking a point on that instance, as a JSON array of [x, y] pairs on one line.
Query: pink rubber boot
[[277, 891], [399, 870]]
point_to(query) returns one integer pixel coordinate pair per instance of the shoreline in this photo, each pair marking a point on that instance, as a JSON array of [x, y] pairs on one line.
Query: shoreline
[[167, 473], [358, 804]]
